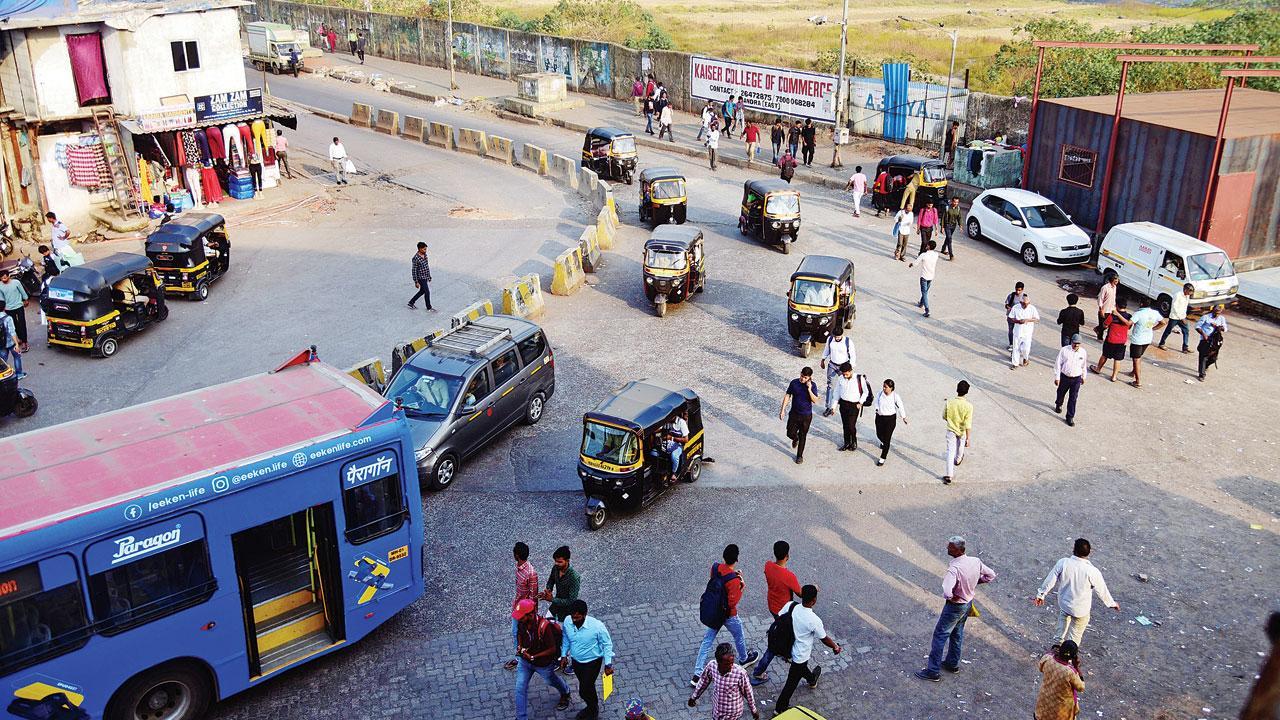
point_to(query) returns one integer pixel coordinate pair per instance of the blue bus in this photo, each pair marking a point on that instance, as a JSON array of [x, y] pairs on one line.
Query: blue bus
[[161, 557]]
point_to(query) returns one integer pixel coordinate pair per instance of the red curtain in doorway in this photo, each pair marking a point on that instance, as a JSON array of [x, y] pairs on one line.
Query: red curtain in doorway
[[88, 68]]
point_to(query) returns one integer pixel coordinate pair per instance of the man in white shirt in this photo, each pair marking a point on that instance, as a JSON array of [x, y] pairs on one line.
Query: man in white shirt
[[1178, 318], [338, 159], [1024, 316], [838, 351], [928, 266], [59, 235], [905, 222], [1068, 376], [853, 392], [712, 143], [1077, 579], [808, 628]]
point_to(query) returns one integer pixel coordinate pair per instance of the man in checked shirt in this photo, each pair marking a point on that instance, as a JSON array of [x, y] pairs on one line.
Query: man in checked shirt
[[732, 692], [526, 589]]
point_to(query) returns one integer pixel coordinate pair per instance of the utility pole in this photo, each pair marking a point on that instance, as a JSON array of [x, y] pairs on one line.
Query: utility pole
[[448, 30], [946, 102], [841, 99]]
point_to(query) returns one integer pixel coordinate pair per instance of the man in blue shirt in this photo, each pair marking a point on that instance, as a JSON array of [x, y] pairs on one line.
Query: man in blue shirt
[[1211, 328], [802, 393], [586, 642]]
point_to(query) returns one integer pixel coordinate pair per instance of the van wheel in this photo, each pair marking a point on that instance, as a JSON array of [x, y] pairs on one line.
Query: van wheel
[[695, 468], [202, 292], [444, 472], [107, 346], [973, 229], [597, 518], [533, 411], [1029, 254], [174, 692], [1164, 304]]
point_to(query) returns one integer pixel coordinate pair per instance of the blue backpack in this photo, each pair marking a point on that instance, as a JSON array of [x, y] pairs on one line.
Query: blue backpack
[[713, 609]]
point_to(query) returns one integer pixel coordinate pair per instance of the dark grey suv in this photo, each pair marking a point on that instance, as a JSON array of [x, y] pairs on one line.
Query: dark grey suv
[[467, 386]]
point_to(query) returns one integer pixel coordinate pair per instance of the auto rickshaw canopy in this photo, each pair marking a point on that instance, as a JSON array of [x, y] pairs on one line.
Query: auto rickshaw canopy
[[826, 267], [641, 405], [764, 186], [654, 174], [183, 232], [609, 133], [673, 238], [92, 278], [935, 171]]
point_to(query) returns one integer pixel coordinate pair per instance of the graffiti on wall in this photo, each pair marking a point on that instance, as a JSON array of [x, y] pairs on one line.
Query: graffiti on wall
[[493, 52], [557, 57], [594, 68], [524, 53]]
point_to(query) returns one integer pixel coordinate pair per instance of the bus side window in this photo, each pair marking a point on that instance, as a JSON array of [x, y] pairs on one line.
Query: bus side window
[[38, 623], [373, 509], [152, 587]]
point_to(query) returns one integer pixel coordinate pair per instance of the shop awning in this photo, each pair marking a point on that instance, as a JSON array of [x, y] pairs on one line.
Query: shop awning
[[277, 114]]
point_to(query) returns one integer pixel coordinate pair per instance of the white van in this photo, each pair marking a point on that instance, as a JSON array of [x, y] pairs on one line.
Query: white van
[[1154, 261]]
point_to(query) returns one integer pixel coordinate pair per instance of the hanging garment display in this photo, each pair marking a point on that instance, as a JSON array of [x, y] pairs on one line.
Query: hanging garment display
[[234, 149], [202, 139], [157, 181], [168, 147], [84, 163], [144, 179], [193, 184], [246, 138], [260, 139], [216, 150], [190, 147], [212, 189]]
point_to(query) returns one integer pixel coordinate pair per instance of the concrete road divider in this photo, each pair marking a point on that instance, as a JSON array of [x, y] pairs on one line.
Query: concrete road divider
[[402, 352], [567, 275], [533, 158], [602, 197], [605, 229], [474, 311], [362, 115], [501, 149], [371, 373], [415, 128], [587, 179], [472, 141], [440, 134], [524, 297], [589, 249], [564, 170], [388, 122]]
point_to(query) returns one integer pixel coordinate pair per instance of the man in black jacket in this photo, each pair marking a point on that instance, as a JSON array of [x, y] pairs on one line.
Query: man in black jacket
[[49, 262]]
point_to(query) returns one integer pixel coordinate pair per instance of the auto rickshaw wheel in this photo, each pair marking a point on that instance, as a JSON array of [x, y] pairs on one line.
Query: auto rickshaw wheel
[[626, 176], [742, 227], [660, 308], [806, 348], [597, 518], [202, 292], [695, 468], [786, 246], [26, 404], [107, 346]]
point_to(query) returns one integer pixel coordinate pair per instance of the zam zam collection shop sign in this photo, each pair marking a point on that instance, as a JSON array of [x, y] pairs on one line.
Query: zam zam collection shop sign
[[769, 89], [229, 105]]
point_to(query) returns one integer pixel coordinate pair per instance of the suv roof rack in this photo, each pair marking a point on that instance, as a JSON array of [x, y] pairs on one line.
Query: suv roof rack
[[471, 338]]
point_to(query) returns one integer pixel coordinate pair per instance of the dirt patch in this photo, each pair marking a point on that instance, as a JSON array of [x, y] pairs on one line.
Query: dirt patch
[[1083, 288], [471, 213]]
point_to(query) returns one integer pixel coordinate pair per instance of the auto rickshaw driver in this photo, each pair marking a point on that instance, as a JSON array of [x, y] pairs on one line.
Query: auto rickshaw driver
[[673, 439], [131, 297]]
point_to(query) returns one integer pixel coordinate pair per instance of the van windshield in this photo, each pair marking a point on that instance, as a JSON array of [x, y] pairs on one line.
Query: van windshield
[[1046, 216], [610, 444], [1209, 266], [423, 392]]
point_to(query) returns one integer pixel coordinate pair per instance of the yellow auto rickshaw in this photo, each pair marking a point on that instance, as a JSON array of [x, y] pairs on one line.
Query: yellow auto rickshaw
[[191, 252], [910, 179], [675, 265], [770, 211], [662, 196], [95, 305], [611, 153], [821, 298]]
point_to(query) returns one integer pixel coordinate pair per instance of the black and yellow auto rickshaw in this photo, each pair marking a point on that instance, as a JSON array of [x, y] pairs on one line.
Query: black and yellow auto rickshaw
[[675, 265], [15, 401], [611, 153], [910, 175], [95, 305], [770, 211], [662, 196], [191, 252], [633, 445], [821, 299]]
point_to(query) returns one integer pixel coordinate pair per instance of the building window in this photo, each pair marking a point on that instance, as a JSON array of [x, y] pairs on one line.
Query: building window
[[39, 622], [373, 509], [1077, 166], [186, 55]]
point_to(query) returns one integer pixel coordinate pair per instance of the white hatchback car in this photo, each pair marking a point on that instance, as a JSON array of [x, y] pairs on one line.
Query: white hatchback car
[[1029, 223]]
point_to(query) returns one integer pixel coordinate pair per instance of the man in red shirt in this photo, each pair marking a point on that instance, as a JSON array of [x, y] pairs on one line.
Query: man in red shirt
[[1115, 326], [726, 572], [752, 136], [783, 585], [526, 589]]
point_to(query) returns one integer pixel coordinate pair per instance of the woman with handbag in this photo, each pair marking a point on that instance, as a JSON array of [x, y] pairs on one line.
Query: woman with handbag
[[1061, 685]]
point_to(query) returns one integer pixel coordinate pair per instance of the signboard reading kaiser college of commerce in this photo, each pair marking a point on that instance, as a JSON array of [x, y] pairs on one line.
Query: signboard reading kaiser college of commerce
[[769, 89]]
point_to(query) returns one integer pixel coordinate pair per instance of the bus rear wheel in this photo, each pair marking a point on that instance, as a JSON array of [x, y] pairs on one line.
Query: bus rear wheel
[[171, 692]]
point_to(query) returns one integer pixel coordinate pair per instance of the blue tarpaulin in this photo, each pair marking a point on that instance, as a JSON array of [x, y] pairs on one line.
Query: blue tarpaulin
[[896, 77]]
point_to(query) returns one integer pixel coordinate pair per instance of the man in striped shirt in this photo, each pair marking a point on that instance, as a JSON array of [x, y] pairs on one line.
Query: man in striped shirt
[[731, 690], [421, 277], [526, 589]]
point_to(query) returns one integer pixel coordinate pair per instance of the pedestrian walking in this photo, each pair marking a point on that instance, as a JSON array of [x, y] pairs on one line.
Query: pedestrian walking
[[333, 40], [1060, 684], [48, 263], [651, 87], [1012, 300], [718, 608], [777, 135], [853, 392], [928, 266], [731, 693], [1024, 316], [338, 159], [713, 143], [888, 408], [858, 186], [1070, 319], [728, 110], [538, 642], [1144, 324], [59, 235], [351, 40], [927, 222], [563, 583], [282, 152], [421, 274], [526, 589], [362, 41], [957, 412], [1078, 580], [751, 133], [782, 587], [708, 112], [10, 348], [295, 60], [964, 574], [879, 189], [793, 138], [949, 144], [255, 166], [648, 104], [664, 121], [837, 351], [14, 298], [588, 646], [1107, 297], [637, 95], [808, 629], [1068, 375], [740, 116], [1116, 326], [809, 134], [902, 224], [787, 165], [801, 394], [1178, 318], [952, 217], [1211, 329]]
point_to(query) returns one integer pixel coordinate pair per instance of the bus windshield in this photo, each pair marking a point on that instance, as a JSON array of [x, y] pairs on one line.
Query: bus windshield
[[782, 204], [667, 189], [610, 444], [664, 260], [423, 392], [813, 292], [1209, 266]]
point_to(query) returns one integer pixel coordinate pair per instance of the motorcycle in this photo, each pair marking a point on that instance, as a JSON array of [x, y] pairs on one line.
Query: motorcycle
[[24, 271], [6, 239]]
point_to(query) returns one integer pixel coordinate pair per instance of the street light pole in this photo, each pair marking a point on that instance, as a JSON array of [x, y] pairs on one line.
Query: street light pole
[[841, 99], [946, 102], [448, 30]]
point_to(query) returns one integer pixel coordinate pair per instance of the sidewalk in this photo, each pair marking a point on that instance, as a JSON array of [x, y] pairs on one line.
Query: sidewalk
[[430, 83]]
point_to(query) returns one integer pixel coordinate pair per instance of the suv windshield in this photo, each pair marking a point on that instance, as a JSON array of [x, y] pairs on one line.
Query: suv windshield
[[625, 144], [782, 204], [1046, 216], [610, 444], [813, 292], [663, 260], [423, 392], [1209, 266]]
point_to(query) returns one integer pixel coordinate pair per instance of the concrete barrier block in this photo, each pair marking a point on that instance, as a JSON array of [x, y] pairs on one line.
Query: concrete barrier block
[[524, 297], [388, 122], [604, 229], [474, 311], [440, 134], [361, 115], [603, 195], [564, 170], [415, 128], [589, 249], [567, 275], [371, 373], [501, 149], [533, 158], [472, 141], [401, 353], [587, 179]]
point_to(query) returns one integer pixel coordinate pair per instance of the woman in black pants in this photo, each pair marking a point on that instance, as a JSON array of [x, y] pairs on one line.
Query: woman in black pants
[[888, 407]]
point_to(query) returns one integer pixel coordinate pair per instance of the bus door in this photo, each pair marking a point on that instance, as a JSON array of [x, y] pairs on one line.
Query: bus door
[[287, 571]]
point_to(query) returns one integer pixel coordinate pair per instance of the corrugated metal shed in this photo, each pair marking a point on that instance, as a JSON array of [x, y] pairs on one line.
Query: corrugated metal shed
[[1253, 112]]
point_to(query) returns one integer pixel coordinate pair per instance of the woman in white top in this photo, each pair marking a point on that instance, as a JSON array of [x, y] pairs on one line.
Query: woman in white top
[[888, 407]]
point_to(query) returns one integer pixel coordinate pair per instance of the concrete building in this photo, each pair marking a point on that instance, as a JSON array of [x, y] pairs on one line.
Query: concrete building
[[1164, 164]]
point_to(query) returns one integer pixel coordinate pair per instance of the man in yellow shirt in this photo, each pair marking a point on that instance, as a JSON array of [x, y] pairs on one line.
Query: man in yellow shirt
[[958, 414]]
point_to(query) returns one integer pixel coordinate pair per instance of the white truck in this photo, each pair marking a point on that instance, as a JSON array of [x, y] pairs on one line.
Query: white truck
[[271, 44]]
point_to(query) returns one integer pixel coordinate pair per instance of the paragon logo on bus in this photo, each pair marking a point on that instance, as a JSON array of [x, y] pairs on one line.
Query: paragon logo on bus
[[130, 547], [378, 467]]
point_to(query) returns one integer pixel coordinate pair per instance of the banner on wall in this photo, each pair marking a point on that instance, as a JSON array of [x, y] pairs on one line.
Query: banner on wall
[[920, 112], [768, 89], [228, 105]]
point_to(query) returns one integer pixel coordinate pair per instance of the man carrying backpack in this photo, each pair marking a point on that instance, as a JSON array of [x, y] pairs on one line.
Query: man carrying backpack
[[806, 627], [719, 608]]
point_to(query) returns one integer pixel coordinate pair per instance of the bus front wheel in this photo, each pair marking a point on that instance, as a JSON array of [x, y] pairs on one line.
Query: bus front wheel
[[171, 692]]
